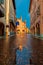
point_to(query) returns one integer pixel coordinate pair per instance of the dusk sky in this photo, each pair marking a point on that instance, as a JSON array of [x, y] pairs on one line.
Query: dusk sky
[[22, 9]]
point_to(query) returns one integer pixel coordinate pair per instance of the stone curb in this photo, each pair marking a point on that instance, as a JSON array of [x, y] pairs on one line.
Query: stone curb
[[38, 37], [1, 37]]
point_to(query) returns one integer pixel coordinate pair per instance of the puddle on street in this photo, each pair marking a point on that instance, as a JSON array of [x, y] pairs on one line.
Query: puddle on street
[[23, 56]]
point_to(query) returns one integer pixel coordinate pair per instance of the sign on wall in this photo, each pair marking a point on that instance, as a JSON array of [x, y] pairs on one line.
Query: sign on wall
[[17, 23]]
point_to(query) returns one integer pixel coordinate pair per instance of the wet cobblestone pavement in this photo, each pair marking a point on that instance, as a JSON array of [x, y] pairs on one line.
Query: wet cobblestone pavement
[[21, 50]]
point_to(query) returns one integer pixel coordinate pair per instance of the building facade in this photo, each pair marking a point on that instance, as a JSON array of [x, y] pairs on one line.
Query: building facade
[[21, 27], [7, 8], [2, 17], [36, 12]]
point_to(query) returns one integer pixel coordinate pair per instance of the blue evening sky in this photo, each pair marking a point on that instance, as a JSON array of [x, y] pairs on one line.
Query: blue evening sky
[[22, 9]]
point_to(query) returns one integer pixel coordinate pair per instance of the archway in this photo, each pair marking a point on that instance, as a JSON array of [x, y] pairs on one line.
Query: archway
[[38, 29], [1, 29]]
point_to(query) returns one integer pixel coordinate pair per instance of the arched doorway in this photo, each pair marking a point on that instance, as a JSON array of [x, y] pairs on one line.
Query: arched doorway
[[1, 29], [38, 29]]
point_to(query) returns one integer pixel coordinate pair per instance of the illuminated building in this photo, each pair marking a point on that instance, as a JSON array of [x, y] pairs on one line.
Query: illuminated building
[[21, 27], [28, 30], [36, 12]]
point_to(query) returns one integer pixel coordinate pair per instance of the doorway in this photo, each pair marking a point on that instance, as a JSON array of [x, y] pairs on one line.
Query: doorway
[[1, 29], [38, 29]]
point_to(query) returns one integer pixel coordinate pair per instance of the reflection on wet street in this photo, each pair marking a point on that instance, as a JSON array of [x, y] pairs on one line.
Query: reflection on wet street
[[21, 50]]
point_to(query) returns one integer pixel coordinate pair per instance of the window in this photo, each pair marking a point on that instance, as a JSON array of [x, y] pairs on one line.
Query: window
[[1, 1], [17, 23], [18, 30], [38, 11], [23, 30]]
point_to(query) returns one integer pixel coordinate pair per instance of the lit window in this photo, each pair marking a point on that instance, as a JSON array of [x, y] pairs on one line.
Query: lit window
[[18, 30], [23, 30]]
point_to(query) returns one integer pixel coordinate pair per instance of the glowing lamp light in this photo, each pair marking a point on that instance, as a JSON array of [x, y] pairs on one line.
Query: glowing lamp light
[[20, 47]]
